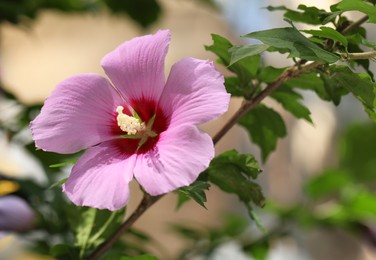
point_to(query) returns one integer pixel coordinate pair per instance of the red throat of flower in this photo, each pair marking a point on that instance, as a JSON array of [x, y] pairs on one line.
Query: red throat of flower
[[138, 132]]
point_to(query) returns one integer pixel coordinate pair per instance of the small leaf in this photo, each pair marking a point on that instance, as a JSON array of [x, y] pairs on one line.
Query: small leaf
[[264, 126], [321, 83], [92, 226], [234, 225], [58, 165], [358, 153], [310, 15], [60, 249], [233, 87], [289, 99], [231, 171], [246, 163], [328, 183], [330, 17], [245, 69], [58, 183], [269, 74], [359, 5], [241, 52], [298, 45], [256, 219], [359, 84], [329, 33], [83, 230], [195, 191]]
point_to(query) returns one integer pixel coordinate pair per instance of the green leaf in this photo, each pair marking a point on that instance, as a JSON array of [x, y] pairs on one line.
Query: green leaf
[[195, 191], [361, 206], [330, 17], [265, 126], [234, 225], [298, 45], [329, 33], [322, 84], [245, 69], [58, 183], [62, 250], [360, 85], [328, 183], [83, 231], [232, 171], [289, 99], [93, 227], [359, 5], [241, 52], [333, 89], [269, 74], [246, 163], [310, 15], [58, 165], [233, 87], [358, 153], [256, 218]]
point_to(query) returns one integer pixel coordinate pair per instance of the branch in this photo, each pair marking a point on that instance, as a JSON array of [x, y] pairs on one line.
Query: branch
[[146, 203], [358, 56], [289, 73], [354, 25]]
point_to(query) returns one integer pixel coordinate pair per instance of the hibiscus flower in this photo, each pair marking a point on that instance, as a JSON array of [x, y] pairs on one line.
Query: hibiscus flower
[[137, 125]]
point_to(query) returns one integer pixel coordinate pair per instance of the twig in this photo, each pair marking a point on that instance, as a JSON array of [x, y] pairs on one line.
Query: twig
[[146, 203], [358, 56], [289, 73], [354, 25]]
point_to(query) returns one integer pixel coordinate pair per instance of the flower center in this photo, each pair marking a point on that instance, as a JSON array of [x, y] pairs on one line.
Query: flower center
[[138, 132], [130, 125]]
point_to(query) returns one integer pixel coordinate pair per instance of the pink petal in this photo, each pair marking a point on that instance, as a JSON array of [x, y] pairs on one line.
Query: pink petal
[[194, 93], [180, 155], [100, 178], [78, 114], [137, 66]]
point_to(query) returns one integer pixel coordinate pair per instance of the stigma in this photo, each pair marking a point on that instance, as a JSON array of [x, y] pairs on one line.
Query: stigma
[[129, 124]]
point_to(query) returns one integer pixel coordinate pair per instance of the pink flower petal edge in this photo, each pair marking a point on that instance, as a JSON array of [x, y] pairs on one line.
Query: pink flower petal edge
[[181, 154], [136, 67], [100, 178], [194, 93], [77, 115]]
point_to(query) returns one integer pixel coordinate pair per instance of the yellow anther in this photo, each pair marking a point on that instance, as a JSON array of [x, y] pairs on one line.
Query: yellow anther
[[129, 124]]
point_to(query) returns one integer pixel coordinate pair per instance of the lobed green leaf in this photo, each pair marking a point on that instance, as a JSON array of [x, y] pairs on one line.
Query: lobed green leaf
[[309, 15], [241, 52], [289, 99], [245, 69], [92, 227], [329, 33], [359, 5], [232, 171], [360, 85], [298, 45], [195, 191], [265, 127], [322, 84]]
